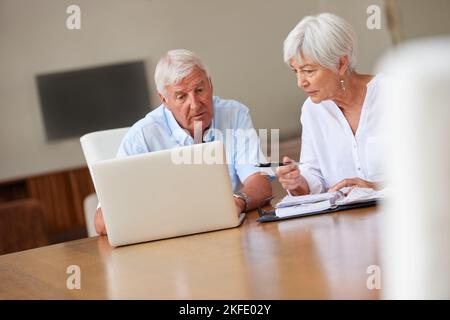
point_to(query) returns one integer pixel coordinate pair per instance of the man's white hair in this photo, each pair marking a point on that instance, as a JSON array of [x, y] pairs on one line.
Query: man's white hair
[[174, 66], [324, 38]]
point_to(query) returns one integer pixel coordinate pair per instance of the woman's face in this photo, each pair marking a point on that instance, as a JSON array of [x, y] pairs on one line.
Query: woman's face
[[318, 82]]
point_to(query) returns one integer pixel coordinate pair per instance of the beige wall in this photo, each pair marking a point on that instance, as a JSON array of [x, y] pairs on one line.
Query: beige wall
[[419, 18], [240, 40]]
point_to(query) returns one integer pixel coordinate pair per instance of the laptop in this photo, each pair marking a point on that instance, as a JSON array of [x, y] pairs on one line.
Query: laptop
[[166, 194]]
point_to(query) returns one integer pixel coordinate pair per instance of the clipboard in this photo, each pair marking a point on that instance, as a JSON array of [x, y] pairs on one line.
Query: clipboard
[[269, 215]]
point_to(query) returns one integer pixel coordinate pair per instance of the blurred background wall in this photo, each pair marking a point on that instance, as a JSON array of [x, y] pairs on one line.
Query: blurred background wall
[[240, 41]]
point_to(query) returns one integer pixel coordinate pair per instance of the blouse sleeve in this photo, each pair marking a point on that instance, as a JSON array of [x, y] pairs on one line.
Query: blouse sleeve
[[309, 165]]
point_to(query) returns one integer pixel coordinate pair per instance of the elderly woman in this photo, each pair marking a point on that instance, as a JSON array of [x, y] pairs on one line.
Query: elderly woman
[[340, 119]]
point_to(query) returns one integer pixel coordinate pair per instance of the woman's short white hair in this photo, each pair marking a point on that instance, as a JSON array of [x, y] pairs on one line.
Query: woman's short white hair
[[324, 38], [174, 66]]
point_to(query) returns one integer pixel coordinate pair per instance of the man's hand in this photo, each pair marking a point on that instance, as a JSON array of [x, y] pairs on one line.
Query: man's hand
[[258, 189], [290, 178], [354, 182], [99, 222]]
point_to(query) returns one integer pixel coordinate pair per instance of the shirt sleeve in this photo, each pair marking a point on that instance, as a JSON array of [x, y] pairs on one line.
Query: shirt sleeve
[[131, 145], [248, 151], [309, 165]]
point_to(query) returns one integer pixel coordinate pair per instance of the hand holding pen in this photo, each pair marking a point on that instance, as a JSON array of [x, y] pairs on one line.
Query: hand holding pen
[[289, 176], [277, 164]]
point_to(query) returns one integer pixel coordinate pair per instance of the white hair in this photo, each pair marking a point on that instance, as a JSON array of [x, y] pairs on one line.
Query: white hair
[[174, 66], [324, 38]]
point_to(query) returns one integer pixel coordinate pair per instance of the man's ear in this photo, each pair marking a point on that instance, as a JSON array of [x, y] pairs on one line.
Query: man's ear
[[210, 84], [163, 99], [343, 65]]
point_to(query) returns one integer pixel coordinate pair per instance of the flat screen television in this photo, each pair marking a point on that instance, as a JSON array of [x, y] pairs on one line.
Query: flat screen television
[[80, 101]]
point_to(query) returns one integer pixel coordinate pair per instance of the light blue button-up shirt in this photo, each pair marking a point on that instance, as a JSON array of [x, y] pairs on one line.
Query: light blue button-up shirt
[[231, 124]]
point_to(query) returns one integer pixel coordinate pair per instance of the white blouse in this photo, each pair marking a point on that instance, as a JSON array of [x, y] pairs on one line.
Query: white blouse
[[330, 152]]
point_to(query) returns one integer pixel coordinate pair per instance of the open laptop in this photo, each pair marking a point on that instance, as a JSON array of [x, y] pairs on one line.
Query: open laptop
[[165, 194]]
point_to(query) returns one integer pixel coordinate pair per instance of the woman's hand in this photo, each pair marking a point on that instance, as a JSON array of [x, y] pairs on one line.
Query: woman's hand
[[291, 179], [354, 182]]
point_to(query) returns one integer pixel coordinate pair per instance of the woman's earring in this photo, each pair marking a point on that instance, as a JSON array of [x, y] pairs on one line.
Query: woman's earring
[[342, 84]]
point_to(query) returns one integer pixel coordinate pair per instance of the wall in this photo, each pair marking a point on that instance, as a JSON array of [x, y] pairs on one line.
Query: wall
[[241, 41], [418, 18]]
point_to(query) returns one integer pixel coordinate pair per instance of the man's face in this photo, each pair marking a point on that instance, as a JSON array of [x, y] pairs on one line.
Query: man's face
[[190, 101]]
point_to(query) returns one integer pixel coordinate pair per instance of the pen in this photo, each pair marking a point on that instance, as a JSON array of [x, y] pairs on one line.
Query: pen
[[277, 164], [274, 164]]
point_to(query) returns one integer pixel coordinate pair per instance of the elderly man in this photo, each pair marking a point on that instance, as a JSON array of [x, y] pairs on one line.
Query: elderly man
[[190, 114]]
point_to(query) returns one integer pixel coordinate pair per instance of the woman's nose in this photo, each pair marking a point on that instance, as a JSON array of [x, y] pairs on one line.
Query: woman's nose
[[301, 82]]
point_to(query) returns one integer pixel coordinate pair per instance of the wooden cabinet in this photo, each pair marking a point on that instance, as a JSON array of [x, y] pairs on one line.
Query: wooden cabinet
[[60, 195]]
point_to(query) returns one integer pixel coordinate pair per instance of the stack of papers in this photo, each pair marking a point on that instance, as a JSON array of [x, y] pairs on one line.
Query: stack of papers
[[308, 204], [358, 195]]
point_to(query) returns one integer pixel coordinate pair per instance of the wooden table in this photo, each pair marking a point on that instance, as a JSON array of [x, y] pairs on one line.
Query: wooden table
[[318, 257]]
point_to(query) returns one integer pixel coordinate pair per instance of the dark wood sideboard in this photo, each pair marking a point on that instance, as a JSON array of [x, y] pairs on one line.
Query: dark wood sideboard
[[60, 195]]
